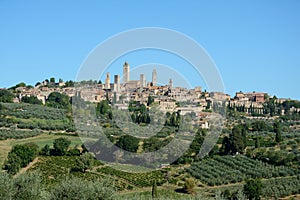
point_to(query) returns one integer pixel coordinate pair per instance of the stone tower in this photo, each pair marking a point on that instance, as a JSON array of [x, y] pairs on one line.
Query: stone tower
[[154, 77], [170, 83], [142, 80], [117, 83], [107, 81], [126, 72]]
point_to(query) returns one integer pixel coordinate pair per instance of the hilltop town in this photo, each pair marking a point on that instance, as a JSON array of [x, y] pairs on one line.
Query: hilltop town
[[168, 97]]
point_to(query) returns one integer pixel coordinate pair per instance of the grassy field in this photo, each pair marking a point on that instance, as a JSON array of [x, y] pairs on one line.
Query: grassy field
[[41, 140]]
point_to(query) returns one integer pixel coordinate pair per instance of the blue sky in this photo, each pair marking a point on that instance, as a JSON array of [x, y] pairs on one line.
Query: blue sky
[[255, 44]]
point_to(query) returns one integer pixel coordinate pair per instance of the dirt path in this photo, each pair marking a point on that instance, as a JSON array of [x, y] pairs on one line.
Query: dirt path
[[24, 169]]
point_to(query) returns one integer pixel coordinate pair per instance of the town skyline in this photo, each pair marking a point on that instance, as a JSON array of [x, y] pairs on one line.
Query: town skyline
[[124, 76]]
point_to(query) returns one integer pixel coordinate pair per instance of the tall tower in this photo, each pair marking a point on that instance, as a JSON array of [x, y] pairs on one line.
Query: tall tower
[[126, 75], [117, 83], [170, 83], [142, 80], [107, 81], [154, 77]]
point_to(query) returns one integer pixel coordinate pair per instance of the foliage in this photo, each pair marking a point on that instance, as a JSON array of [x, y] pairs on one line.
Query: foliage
[[28, 186], [60, 146], [58, 100], [103, 107], [31, 100], [150, 100], [189, 186], [28, 111], [139, 112], [69, 83], [228, 169], [27, 116], [20, 156], [173, 119], [236, 142], [84, 162], [6, 96], [253, 189], [277, 130], [24, 186], [128, 143], [75, 188], [6, 186], [17, 134], [45, 151], [281, 187], [154, 190], [137, 179]]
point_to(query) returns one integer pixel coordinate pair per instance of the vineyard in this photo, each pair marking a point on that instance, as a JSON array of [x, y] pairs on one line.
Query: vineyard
[[137, 179], [26, 116], [229, 169], [27, 111], [281, 187], [17, 134], [53, 169]]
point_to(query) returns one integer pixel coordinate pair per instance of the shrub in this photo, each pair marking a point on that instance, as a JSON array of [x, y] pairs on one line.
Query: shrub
[[75, 188]]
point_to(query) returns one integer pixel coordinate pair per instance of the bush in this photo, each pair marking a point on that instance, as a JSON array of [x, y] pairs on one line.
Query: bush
[[253, 189], [25, 186], [75, 188], [20, 156], [31, 100], [189, 186], [6, 96], [60, 146]]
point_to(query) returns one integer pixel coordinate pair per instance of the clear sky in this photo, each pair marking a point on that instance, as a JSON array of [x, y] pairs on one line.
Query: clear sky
[[255, 44]]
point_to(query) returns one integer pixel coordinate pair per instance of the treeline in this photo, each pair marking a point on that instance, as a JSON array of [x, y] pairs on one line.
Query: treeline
[[26, 116], [271, 107], [30, 186], [17, 134]]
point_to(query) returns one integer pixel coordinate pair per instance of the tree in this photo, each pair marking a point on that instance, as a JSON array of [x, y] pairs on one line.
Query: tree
[[226, 146], [31, 100], [52, 80], [45, 151], [208, 106], [253, 189], [69, 84], [84, 162], [6, 96], [37, 84], [20, 156], [58, 100], [128, 143], [237, 140], [154, 190], [60, 146], [103, 107], [13, 163], [277, 130], [28, 186], [189, 186], [150, 100]]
